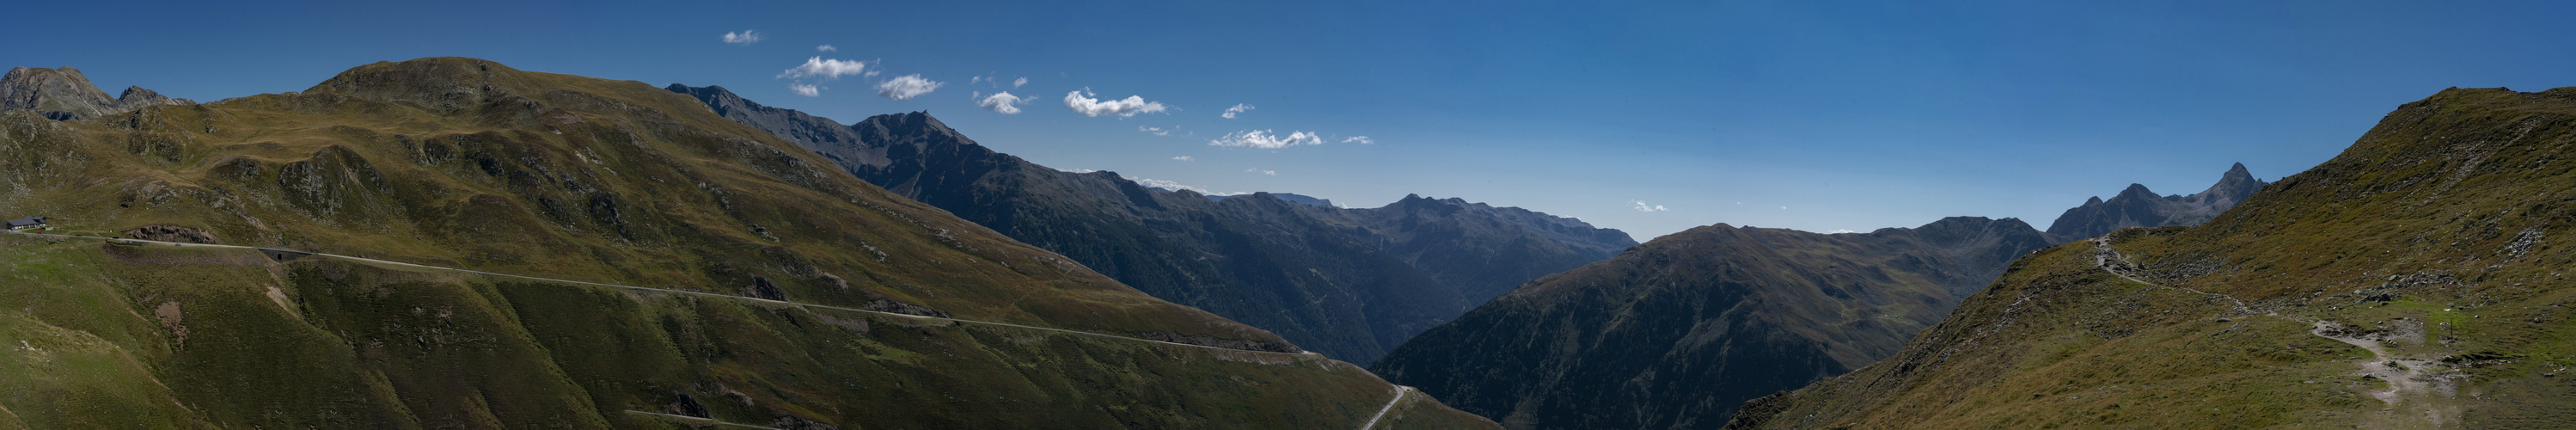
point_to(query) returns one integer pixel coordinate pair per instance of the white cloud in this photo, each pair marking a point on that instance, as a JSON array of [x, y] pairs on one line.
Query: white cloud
[[1237, 109], [827, 69], [1185, 158], [1016, 83], [826, 48], [805, 90], [1157, 131], [1077, 170], [745, 38], [906, 87], [1258, 170], [1841, 231], [1002, 102], [1264, 139], [1087, 106], [1363, 140], [1643, 207]]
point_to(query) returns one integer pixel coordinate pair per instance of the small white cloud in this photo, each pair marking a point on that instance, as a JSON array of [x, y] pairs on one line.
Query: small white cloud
[[1016, 83], [1363, 140], [1841, 231], [1237, 109], [826, 48], [1264, 139], [1258, 170], [1077, 170], [1784, 208], [745, 38], [1643, 207], [805, 90], [906, 87], [827, 69], [1185, 158], [1157, 131], [1130, 106], [1002, 102]]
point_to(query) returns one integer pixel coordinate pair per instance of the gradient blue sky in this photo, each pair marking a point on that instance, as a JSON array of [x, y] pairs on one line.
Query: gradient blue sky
[[1819, 116]]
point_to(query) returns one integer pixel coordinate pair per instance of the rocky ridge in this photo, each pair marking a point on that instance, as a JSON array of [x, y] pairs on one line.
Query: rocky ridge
[[66, 94]]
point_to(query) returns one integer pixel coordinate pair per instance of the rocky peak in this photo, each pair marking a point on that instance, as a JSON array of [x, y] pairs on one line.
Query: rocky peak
[[443, 84], [2137, 206], [66, 94]]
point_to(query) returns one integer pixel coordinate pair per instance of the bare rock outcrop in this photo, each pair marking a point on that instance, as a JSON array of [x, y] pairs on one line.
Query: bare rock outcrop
[[65, 94]]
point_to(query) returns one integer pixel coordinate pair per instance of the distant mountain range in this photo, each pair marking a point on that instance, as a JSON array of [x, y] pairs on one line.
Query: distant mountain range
[[2138, 207], [1678, 332], [1350, 283], [65, 94], [2416, 280]]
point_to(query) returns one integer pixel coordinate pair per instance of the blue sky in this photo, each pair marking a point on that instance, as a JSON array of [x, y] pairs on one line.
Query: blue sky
[[1819, 116]]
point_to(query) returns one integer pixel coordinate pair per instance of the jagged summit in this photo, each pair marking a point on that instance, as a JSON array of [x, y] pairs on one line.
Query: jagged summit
[[65, 94], [2137, 206]]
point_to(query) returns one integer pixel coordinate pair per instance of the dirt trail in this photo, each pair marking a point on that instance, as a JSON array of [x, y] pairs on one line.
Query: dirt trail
[[2407, 377]]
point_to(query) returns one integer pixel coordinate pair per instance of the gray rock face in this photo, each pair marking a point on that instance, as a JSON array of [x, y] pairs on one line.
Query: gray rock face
[[2139, 207], [1349, 283], [64, 94]]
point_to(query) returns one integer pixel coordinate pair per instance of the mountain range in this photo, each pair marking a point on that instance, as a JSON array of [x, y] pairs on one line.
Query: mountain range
[[2410, 282], [452, 243], [65, 94], [1349, 283], [1677, 332], [2138, 207]]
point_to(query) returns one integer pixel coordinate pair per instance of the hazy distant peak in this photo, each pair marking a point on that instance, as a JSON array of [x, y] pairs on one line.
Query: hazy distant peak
[[2137, 206]]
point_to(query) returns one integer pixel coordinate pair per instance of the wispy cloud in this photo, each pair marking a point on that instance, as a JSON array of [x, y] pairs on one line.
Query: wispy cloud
[[1002, 102], [818, 67], [1264, 139], [1841, 231], [745, 38], [1157, 131], [1016, 83], [1258, 170], [1237, 109], [1363, 140], [1088, 106], [1643, 207], [1185, 158], [826, 48], [805, 90], [906, 87]]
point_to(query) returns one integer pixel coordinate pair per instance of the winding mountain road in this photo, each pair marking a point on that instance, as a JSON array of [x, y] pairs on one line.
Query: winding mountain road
[[1372, 422], [1390, 405], [631, 287]]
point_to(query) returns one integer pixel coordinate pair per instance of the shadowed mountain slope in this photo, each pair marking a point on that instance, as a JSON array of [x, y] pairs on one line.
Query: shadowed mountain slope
[[2413, 281], [465, 163], [1350, 283], [65, 94], [2138, 207], [1676, 332]]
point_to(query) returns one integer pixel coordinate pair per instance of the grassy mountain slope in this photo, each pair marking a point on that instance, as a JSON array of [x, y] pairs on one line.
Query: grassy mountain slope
[[2413, 281], [1676, 332], [1350, 283], [466, 163]]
